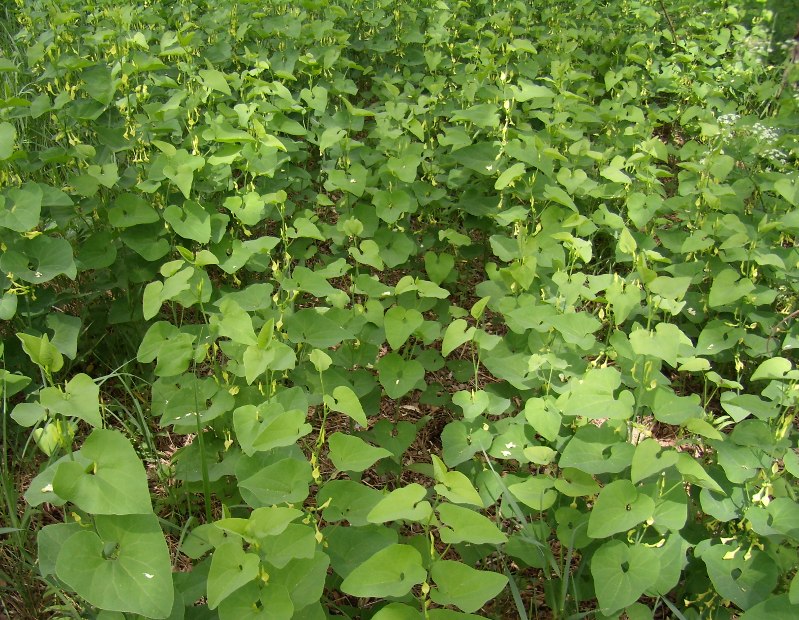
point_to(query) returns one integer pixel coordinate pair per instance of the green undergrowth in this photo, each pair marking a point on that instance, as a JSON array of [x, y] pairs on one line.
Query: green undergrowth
[[396, 311]]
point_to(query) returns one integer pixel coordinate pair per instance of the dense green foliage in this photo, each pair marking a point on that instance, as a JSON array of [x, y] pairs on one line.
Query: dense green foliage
[[398, 310]]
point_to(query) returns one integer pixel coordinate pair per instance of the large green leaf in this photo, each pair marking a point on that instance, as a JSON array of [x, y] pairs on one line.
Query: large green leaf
[[350, 453], [80, 399], [406, 503], [231, 568], [392, 571], [347, 499], [399, 376], [42, 352], [597, 450], [457, 333], [454, 485], [349, 547], [622, 573], [345, 400], [255, 601], [466, 525], [618, 508], [744, 576], [113, 483], [100, 83], [40, 259], [21, 207], [285, 481], [8, 135], [400, 323], [313, 327], [268, 426], [727, 288], [122, 565], [463, 586]]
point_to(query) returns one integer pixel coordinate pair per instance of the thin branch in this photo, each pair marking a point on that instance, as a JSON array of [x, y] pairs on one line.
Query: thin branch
[[675, 38]]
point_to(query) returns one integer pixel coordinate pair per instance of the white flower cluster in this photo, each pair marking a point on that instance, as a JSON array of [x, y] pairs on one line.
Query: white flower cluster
[[765, 134], [727, 120], [776, 155], [759, 46]]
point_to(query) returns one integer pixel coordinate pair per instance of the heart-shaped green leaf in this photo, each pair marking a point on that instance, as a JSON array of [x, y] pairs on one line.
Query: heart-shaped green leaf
[[231, 568], [400, 323], [454, 485], [8, 135], [285, 481], [619, 508], [269, 426], [399, 376], [463, 586], [345, 401], [128, 553], [42, 352], [744, 576], [115, 481], [350, 453], [622, 573], [473, 403], [455, 335], [392, 571], [406, 503], [40, 259], [648, 461], [80, 399], [466, 525], [20, 207]]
